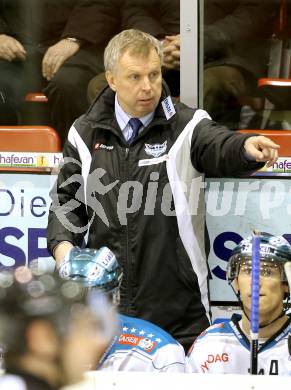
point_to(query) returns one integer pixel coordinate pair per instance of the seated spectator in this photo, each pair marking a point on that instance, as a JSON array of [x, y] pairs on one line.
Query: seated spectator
[[236, 49], [280, 65], [224, 348], [159, 18], [138, 345], [55, 46], [236, 53], [52, 330]]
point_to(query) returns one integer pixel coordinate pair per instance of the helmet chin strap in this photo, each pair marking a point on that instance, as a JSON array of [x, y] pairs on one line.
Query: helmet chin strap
[[261, 326]]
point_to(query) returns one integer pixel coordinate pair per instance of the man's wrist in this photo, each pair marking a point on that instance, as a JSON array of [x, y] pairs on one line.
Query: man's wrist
[[75, 40]]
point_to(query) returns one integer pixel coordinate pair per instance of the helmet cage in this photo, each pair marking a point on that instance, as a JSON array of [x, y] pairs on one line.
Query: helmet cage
[[237, 261], [273, 249]]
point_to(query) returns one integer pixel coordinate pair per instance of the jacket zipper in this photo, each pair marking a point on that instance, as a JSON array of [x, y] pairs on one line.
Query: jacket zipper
[[127, 250]]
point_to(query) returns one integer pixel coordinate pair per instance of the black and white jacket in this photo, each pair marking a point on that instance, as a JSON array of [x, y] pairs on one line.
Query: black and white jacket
[[145, 202]]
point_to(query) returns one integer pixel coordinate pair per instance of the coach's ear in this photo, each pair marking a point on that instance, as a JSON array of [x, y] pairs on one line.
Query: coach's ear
[[110, 80]]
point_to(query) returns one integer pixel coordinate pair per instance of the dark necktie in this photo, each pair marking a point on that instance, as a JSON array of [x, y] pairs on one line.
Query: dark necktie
[[135, 124]]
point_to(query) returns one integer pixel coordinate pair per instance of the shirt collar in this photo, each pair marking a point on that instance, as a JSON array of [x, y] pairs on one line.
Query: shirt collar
[[122, 117]]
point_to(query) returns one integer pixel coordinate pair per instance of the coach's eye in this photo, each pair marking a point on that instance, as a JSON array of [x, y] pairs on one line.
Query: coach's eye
[[134, 77]]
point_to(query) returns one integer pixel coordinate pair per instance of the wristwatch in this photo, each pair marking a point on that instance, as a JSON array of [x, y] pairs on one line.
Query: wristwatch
[[76, 40]]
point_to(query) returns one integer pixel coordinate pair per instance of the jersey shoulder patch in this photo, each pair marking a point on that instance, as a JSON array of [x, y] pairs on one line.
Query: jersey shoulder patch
[[141, 334]]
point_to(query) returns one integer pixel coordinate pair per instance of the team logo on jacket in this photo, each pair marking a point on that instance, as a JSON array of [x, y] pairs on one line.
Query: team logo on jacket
[[155, 150], [102, 146], [146, 344]]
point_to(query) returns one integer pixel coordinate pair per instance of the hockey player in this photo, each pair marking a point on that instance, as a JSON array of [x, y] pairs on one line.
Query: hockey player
[[52, 330], [224, 348], [138, 345]]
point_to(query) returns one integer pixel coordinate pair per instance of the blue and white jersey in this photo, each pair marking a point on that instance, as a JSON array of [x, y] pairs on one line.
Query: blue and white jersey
[[143, 346], [224, 349]]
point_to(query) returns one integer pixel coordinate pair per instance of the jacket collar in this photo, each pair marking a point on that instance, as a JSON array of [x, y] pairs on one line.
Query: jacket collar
[[101, 112]]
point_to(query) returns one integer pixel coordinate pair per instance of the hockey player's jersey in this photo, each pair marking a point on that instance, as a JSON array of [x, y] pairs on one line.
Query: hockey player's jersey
[[224, 349], [143, 346]]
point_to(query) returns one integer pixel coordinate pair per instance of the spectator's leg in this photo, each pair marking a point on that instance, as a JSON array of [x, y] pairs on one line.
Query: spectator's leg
[[67, 97], [12, 91], [17, 78], [67, 91], [223, 85], [33, 113]]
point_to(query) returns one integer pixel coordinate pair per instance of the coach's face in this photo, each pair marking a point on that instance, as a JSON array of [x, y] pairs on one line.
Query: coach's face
[[137, 81]]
